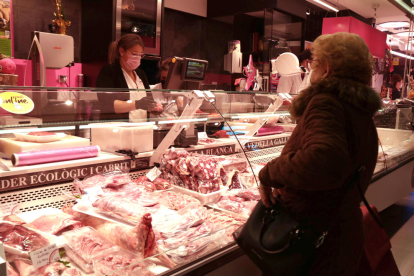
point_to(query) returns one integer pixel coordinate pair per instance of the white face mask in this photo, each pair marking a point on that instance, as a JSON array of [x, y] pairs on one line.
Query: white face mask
[[133, 62]]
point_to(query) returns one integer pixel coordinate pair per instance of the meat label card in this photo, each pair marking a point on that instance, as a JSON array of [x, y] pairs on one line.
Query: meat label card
[[153, 174], [44, 256], [9, 208], [67, 174]]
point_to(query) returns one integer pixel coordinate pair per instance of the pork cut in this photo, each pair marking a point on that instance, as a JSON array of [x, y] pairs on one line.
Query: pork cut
[[119, 207], [10, 270], [20, 237], [117, 261], [56, 224], [140, 239]]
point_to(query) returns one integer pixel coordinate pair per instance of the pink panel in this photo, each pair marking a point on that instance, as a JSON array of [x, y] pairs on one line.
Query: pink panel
[[52, 75], [375, 39], [335, 25]]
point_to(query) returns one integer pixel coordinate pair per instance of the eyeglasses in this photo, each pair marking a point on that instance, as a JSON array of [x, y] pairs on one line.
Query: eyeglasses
[[135, 54]]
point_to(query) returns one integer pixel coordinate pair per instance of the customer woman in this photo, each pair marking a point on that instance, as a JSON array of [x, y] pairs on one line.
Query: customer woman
[[122, 72], [335, 135], [397, 83]]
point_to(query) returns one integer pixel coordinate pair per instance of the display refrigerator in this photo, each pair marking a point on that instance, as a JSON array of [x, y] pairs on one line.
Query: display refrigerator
[[160, 194]]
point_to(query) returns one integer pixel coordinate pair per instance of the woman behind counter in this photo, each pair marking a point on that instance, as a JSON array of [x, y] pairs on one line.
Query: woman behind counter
[[124, 58]]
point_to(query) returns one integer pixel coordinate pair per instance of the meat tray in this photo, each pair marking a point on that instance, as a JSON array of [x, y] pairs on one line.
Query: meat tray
[[51, 238], [204, 198], [25, 137]]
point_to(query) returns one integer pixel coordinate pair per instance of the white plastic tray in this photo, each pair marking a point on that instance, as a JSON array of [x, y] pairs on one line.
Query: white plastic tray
[[204, 198], [39, 139], [88, 209], [52, 239]]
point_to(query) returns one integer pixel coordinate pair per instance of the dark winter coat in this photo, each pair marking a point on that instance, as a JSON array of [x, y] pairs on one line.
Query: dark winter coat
[[334, 136]]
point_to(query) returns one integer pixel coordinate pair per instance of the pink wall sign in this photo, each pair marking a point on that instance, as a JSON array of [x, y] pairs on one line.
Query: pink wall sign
[[375, 39]]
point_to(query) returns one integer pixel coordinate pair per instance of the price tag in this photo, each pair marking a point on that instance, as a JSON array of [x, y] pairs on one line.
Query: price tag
[[94, 191], [44, 256], [153, 173], [202, 135], [9, 208]]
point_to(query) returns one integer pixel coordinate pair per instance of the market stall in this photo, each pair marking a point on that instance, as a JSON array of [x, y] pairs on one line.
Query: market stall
[[161, 195]]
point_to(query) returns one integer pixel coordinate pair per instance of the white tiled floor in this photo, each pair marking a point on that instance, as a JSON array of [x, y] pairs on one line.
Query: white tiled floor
[[403, 240]]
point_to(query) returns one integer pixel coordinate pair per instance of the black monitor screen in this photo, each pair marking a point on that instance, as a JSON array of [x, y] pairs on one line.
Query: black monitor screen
[[195, 70]]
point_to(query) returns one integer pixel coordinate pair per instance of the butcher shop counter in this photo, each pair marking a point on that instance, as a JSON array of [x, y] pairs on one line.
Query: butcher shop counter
[[38, 187]]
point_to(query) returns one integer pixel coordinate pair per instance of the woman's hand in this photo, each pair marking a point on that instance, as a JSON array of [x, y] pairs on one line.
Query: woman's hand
[[148, 103], [267, 195]]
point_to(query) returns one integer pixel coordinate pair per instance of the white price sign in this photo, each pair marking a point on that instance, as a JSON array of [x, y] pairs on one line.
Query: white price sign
[[9, 208], [44, 256], [153, 174]]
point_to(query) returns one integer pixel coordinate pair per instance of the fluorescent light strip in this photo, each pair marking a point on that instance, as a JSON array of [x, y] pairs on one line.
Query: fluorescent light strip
[[401, 54], [182, 121], [257, 116], [116, 125], [23, 130], [404, 5], [326, 5]]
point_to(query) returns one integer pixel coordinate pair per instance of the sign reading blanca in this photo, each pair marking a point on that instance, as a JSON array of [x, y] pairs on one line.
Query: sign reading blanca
[[65, 175], [16, 103], [223, 150]]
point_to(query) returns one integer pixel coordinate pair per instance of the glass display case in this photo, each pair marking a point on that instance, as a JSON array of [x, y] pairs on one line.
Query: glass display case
[[160, 190]]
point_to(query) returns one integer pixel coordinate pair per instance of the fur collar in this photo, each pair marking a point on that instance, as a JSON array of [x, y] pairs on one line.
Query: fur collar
[[360, 96]]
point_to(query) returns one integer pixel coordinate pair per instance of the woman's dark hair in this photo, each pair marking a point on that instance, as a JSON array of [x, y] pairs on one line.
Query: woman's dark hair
[[126, 42], [395, 78]]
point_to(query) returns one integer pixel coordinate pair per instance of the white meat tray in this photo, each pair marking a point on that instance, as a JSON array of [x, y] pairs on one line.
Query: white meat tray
[[87, 208], [204, 198], [51, 238]]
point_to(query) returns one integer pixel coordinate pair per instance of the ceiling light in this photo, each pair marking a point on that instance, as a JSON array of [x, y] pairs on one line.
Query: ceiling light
[[307, 11], [326, 5], [394, 24], [405, 34], [400, 54]]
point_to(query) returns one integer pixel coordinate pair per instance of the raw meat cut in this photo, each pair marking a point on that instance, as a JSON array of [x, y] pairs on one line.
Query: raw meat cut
[[20, 237], [161, 184], [140, 239], [82, 244], [56, 224], [26, 268], [87, 267], [229, 205], [190, 216], [10, 270], [16, 220], [120, 207], [117, 261], [41, 133], [249, 194], [71, 272], [221, 134], [206, 141], [176, 201]]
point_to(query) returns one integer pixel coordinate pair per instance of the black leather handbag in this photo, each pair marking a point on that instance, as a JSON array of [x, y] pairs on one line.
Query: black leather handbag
[[279, 244]]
